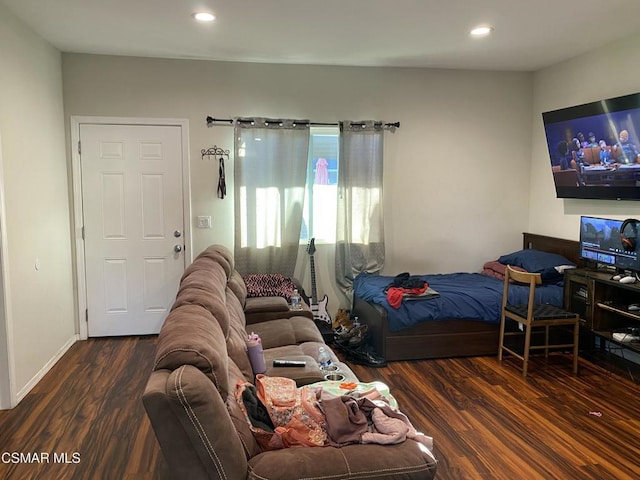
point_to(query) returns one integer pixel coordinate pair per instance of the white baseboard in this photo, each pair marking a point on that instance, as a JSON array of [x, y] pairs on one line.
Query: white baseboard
[[45, 369]]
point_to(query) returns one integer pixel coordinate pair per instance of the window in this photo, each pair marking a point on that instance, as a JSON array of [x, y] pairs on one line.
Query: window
[[321, 192]]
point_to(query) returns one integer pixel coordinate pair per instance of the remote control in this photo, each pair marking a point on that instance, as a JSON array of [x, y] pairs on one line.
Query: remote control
[[289, 363]]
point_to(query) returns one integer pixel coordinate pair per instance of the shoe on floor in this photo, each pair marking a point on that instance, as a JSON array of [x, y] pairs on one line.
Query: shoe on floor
[[363, 356], [358, 334]]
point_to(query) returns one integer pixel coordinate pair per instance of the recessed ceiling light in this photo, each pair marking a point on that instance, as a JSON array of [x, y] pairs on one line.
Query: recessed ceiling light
[[481, 31], [204, 16]]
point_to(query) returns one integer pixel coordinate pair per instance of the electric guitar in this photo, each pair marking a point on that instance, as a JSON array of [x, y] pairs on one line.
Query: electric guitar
[[319, 309]]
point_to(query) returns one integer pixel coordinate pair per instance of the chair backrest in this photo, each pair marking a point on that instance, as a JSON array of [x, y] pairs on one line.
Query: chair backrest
[[592, 155], [566, 178], [532, 279]]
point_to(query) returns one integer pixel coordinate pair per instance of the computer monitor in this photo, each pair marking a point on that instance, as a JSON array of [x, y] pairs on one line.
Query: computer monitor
[[600, 242]]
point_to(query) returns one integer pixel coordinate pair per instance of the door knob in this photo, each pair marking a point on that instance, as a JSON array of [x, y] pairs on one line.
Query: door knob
[[177, 248], [177, 234]]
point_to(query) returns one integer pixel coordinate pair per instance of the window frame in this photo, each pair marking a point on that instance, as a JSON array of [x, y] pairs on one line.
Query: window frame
[[308, 208]]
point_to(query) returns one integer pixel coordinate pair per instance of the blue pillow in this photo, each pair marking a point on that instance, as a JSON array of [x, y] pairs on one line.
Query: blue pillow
[[550, 275], [535, 261]]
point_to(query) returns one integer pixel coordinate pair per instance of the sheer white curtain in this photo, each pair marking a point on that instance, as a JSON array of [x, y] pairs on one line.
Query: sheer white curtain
[[360, 229], [269, 176]]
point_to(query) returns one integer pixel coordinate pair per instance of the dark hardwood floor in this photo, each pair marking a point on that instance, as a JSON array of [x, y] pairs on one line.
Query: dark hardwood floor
[[487, 422], [88, 404]]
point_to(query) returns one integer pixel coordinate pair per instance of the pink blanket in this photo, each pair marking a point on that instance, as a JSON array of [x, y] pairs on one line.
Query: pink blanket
[[497, 270]]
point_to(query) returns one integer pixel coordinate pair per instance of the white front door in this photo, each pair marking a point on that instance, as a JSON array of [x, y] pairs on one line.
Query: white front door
[[133, 225]]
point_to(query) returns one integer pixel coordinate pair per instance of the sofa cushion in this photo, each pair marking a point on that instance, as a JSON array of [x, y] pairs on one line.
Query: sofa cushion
[[236, 284], [205, 285], [191, 336], [237, 350], [200, 263], [205, 273], [222, 255], [407, 460], [237, 338], [205, 279], [287, 331], [207, 300]]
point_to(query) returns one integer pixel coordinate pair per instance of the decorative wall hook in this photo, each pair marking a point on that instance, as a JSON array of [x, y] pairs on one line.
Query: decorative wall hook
[[220, 153], [215, 151]]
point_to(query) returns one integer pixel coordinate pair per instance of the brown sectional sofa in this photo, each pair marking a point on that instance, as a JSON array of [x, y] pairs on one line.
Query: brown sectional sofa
[[201, 357]]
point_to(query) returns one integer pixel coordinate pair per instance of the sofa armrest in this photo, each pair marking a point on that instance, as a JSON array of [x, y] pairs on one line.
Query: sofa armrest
[[310, 373], [266, 304], [192, 425], [262, 309]]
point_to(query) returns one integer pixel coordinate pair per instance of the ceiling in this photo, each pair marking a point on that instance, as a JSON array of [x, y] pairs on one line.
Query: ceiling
[[528, 35]]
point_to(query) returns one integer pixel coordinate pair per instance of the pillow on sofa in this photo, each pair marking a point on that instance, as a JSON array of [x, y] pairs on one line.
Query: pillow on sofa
[[269, 285], [549, 265]]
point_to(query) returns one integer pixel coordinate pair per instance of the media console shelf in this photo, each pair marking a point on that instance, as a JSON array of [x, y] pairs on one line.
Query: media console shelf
[[602, 303]]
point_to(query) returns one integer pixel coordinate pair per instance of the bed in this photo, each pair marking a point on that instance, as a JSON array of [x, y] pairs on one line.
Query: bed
[[456, 336]]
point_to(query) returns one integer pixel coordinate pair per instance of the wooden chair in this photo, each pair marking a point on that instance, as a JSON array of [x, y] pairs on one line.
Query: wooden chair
[[533, 315]]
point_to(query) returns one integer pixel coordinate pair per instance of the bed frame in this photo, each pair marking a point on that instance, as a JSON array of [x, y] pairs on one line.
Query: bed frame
[[447, 338]]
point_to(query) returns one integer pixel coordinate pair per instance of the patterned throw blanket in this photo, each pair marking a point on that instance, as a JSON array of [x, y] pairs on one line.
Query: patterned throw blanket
[[269, 285], [293, 411]]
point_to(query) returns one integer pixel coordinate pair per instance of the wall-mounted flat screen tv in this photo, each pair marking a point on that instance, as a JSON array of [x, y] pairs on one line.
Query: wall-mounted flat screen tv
[[594, 149]]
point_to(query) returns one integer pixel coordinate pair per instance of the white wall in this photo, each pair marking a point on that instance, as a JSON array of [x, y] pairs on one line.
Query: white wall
[[42, 317], [7, 373], [609, 71], [456, 172], [465, 174]]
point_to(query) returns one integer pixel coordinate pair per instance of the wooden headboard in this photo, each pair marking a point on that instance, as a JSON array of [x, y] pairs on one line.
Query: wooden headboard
[[570, 249]]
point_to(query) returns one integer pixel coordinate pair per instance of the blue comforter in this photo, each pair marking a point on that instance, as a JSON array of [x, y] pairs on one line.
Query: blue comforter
[[462, 296]]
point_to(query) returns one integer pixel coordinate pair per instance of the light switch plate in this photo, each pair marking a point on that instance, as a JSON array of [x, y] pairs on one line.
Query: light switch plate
[[204, 222]]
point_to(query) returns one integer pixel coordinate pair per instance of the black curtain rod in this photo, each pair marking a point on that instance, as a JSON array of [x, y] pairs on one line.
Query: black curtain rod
[[211, 121]]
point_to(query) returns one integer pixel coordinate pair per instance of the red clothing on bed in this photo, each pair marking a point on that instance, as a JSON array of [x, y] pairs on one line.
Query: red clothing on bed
[[396, 294]]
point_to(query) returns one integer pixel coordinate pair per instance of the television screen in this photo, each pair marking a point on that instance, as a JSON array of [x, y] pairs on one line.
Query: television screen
[[600, 243], [594, 149]]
